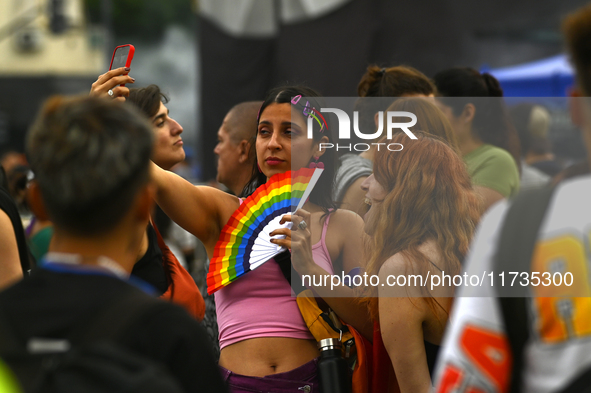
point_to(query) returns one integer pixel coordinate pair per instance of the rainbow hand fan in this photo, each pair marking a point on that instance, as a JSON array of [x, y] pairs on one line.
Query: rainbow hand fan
[[244, 242]]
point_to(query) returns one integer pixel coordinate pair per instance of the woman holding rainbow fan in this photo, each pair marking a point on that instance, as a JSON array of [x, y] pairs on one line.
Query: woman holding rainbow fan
[[265, 343]]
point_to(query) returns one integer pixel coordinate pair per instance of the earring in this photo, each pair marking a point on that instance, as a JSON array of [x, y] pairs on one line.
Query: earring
[[316, 164]]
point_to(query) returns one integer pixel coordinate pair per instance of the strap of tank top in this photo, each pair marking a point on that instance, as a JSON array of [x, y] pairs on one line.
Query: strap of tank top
[[325, 226], [436, 267]]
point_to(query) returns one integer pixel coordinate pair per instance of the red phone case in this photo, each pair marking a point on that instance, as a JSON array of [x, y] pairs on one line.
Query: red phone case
[[129, 55]]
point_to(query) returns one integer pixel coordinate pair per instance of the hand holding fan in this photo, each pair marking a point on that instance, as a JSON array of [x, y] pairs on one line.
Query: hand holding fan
[[244, 242]]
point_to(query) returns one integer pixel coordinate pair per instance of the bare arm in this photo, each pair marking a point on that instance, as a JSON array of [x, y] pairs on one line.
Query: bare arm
[[201, 210], [354, 198], [401, 325], [10, 265]]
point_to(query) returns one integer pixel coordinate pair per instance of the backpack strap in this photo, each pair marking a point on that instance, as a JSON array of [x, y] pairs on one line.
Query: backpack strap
[[581, 384], [517, 240]]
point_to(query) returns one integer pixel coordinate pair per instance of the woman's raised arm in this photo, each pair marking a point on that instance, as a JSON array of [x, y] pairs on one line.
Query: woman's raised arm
[[201, 210]]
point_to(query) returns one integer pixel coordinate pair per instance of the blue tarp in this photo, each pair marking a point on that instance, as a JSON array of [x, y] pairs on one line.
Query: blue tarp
[[550, 77]]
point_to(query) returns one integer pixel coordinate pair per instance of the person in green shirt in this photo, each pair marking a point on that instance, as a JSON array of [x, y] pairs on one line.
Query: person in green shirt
[[492, 167], [487, 140], [39, 234]]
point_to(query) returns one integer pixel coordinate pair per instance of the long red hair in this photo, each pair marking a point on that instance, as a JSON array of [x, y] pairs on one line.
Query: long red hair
[[429, 197]]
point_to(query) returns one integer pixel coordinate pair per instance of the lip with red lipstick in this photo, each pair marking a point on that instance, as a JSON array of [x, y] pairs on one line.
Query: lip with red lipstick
[[274, 161]]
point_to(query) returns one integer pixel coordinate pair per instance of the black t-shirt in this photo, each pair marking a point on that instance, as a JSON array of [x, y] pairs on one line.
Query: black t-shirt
[[150, 267], [48, 304], [9, 207]]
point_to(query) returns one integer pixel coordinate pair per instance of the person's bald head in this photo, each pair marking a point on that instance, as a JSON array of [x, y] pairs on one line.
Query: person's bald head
[[241, 121], [233, 149]]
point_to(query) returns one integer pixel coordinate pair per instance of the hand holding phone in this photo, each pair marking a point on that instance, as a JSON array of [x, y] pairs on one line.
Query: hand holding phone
[[113, 82]]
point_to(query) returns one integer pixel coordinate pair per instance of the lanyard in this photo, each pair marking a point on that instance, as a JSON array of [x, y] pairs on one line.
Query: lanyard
[[72, 263], [104, 264]]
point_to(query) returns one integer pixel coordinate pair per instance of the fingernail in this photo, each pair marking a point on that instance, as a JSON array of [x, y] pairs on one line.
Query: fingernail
[[127, 68], [133, 79]]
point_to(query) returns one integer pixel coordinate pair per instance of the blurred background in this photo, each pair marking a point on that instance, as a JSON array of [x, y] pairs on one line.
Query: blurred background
[[209, 55]]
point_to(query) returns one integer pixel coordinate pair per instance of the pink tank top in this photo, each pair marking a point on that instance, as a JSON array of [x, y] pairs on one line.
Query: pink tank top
[[262, 304]]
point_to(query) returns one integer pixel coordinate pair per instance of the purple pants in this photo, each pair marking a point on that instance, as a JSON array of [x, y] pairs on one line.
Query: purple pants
[[303, 379]]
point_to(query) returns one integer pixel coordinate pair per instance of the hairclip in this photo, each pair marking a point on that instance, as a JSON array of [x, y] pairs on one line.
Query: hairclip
[[309, 111]]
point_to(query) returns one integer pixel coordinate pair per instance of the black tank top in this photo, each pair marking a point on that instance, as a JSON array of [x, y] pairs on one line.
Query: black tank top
[[432, 352], [150, 267], [8, 205]]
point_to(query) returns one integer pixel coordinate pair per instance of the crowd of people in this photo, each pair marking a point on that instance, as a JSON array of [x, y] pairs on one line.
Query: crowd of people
[[91, 264]]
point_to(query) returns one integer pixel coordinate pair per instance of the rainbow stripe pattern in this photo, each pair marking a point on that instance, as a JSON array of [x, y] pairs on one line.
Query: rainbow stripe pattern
[[244, 242]]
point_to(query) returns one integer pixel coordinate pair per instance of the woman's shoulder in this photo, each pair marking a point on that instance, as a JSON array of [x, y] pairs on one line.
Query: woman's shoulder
[[395, 265], [346, 217], [346, 224], [402, 262], [409, 277]]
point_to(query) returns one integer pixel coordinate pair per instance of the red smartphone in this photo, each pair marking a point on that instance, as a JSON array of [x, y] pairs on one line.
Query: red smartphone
[[122, 56]]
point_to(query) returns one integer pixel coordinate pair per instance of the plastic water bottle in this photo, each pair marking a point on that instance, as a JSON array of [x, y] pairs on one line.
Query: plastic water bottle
[[332, 368]]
